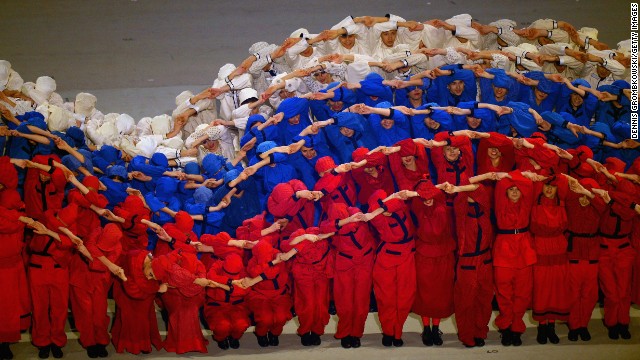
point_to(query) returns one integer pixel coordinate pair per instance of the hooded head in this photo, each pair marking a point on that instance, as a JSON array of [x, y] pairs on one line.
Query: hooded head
[[109, 239], [233, 264], [184, 221], [263, 252]]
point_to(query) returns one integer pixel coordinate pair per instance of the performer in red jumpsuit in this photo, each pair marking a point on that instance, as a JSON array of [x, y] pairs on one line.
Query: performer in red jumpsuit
[[513, 255], [270, 300], [185, 276], [90, 282], [551, 298], [14, 300], [353, 244], [617, 256], [394, 270], [135, 327], [51, 253], [312, 267], [584, 210], [434, 260], [473, 291], [226, 311]]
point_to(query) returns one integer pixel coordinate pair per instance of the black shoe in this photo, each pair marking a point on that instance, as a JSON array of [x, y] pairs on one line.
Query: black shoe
[[224, 344], [623, 330], [551, 333], [573, 334], [273, 340], [515, 339], [233, 343], [387, 340], [91, 352], [56, 351], [436, 335], [43, 352], [315, 339], [332, 308], [584, 334], [102, 350], [305, 339], [263, 341], [5, 351], [506, 337], [614, 332], [398, 342], [345, 342], [355, 342], [543, 329], [479, 342], [427, 339]]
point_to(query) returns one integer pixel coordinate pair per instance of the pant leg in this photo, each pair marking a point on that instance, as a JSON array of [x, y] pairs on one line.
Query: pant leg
[[484, 308], [607, 280], [321, 314], [304, 300], [344, 288], [385, 288], [465, 294], [623, 273], [406, 285], [59, 306], [281, 313], [523, 288], [81, 305], [505, 291]]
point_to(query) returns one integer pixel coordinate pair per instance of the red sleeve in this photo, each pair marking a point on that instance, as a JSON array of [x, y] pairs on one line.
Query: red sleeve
[[10, 222], [183, 281], [96, 199], [58, 179]]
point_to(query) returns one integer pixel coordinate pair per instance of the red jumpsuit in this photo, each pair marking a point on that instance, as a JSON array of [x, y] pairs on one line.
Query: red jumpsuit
[[617, 256], [134, 233], [90, 283], [14, 300], [312, 267], [405, 178], [434, 259], [40, 196], [394, 270], [367, 183], [183, 299], [49, 278], [226, 311], [353, 244], [473, 290], [513, 253], [270, 299], [583, 253], [551, 297], [135, 327]]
